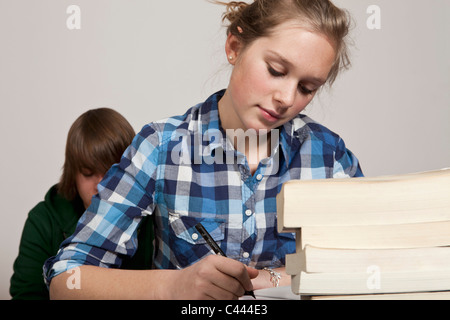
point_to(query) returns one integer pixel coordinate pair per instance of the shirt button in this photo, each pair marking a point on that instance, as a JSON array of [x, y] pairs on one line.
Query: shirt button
[[194, 236], [248, 212], [246, 255], [259, 177]]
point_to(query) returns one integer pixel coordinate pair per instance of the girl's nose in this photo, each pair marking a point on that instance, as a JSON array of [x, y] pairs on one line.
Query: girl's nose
[[285, 95]]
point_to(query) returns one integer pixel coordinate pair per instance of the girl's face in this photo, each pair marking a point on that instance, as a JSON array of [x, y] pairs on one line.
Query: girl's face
[[275, 77], [87, 182]]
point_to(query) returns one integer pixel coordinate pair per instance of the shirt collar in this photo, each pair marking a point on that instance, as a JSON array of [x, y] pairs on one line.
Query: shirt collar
[[291, 134]]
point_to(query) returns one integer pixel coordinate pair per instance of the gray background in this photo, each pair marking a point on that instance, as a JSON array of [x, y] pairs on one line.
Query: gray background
[[153, 59]]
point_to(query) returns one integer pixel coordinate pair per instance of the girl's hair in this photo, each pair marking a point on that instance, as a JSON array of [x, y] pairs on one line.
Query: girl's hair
[[96, 140], [249, 22]]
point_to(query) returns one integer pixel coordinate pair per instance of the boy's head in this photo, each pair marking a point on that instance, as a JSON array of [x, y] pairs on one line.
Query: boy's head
[[96, 141]]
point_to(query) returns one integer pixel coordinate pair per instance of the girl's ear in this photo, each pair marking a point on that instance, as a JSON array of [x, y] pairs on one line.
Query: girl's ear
[[232, 48]]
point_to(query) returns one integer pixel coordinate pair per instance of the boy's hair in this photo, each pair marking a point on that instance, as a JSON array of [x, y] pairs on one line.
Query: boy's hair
[[96, 141], [249, 22]]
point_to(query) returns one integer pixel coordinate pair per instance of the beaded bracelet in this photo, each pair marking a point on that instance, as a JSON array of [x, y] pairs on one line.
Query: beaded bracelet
[[274, 277]]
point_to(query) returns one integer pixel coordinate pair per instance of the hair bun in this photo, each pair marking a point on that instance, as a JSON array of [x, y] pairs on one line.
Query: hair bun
[[233, 10]]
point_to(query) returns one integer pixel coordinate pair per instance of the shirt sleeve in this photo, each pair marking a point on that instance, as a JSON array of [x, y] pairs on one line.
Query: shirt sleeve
[[107, 230], [346, 164]]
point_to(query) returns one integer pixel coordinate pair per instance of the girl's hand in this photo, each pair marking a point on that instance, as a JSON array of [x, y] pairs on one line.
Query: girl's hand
[[214, 277]]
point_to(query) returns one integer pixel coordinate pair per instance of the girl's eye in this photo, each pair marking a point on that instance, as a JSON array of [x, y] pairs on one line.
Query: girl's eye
[[275, 73], [304, 90], [301, 87]]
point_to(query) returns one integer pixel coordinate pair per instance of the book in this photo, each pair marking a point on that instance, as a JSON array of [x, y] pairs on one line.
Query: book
[[395, 199], [358, 283], [442, 295], [376, 238], [319, 271], [324, 260]]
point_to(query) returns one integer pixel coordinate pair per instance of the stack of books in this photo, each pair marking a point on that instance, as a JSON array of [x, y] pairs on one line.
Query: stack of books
[[369, 238]]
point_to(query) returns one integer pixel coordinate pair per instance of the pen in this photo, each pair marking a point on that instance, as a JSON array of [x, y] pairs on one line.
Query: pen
[[215, 247]]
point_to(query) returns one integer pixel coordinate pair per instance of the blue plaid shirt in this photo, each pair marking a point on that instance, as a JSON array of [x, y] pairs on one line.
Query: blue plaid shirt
[[161, 174]]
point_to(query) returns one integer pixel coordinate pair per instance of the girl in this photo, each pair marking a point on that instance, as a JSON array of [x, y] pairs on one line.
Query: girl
[[195, 168], [96, 140]]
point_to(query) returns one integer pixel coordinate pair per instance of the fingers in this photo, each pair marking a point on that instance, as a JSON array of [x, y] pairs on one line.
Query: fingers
[[252, 272], [236, 270], [229, 284], [209, 280], [217, 277]]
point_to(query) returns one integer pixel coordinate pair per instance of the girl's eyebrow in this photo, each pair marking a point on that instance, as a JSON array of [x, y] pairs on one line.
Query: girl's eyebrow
[[286, 62], [280, 57]]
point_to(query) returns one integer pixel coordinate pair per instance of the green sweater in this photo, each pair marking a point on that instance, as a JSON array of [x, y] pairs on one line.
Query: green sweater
[[48, 224]]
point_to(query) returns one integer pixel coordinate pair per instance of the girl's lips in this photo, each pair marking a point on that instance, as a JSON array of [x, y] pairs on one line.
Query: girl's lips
[[269, 115]]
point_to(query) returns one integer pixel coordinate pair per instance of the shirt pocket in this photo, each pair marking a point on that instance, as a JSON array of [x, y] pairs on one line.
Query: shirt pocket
[[185, 241]]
